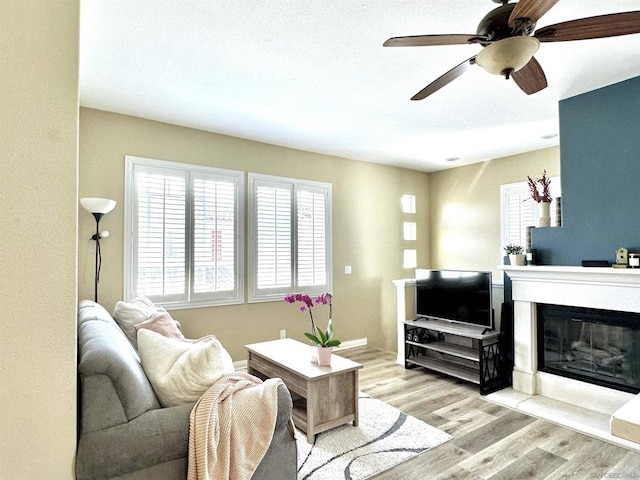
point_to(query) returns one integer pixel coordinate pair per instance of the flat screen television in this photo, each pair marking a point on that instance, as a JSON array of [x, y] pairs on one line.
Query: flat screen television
[[455, 296]]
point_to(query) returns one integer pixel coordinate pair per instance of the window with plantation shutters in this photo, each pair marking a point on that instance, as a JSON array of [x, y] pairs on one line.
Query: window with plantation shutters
[[183, 243], [290, 237], [519, 211]]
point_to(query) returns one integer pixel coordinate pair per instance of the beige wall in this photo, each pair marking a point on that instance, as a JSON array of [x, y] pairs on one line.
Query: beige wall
[[367, 225], [38, 232], [465, 208], [458, 222]]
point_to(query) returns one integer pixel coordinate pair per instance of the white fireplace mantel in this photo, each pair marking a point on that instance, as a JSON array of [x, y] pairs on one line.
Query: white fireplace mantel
[[541, 393], [590, 287], [573, 274]]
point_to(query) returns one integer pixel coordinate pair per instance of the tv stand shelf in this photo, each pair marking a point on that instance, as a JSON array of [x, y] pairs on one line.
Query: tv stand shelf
[[444, 347], [461, 351]]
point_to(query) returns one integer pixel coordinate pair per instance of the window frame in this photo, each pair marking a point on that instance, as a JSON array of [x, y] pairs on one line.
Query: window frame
[[522, 189], [189, 299], [277, 293]]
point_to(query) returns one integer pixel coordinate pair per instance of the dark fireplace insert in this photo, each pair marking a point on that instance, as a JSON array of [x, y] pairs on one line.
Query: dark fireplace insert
[[591, 345]]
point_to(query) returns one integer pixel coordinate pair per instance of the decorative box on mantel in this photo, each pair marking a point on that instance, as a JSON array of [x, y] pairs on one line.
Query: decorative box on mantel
[[568, 400]]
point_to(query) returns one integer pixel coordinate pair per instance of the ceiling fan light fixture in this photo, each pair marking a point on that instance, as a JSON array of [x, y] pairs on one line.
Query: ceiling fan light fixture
[[508, 55]]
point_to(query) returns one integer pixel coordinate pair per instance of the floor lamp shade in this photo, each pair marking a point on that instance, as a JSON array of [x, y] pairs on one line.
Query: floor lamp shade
[[97, 205]]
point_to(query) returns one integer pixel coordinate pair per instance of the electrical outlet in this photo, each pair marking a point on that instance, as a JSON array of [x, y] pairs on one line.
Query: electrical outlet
[[347, 270], [283, 334]]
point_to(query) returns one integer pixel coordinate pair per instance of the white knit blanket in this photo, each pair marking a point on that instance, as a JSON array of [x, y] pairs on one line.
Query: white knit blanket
[[231, 427]]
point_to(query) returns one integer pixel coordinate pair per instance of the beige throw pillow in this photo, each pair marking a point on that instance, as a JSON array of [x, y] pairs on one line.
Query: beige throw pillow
[[180, 371]]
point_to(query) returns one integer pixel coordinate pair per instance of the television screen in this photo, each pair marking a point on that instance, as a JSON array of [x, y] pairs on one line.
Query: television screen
[[457, 296]]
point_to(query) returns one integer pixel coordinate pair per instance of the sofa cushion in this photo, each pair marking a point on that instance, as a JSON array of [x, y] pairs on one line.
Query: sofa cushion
[[181, 370], [128, 314], [161, 322], [143, 313]]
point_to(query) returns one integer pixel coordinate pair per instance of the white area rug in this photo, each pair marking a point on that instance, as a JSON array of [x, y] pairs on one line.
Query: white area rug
[[384, 437]]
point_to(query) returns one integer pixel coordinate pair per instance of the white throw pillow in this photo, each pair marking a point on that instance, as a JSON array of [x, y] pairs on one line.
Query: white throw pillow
[[143, 313], [128, 314], [180, 371]]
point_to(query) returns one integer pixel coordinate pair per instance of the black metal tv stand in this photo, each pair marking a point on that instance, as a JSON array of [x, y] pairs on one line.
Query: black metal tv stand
[[462, 351]]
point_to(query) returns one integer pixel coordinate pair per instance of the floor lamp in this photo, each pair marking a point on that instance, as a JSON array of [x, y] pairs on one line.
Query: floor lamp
[[98, 207]]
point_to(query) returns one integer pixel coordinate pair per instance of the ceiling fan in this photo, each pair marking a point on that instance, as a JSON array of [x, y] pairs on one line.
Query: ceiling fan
[[508, 39]]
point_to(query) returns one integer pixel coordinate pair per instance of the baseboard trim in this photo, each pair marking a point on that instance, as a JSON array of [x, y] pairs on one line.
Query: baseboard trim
[[358, 342], [240, 365]]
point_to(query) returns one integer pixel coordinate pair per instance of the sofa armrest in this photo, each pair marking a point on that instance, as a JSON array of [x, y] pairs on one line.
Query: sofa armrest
[[281, 458], [154, 437], [285, 407], [162, 434]]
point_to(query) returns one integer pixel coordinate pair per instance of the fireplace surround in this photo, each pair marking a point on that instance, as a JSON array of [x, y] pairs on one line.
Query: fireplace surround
[[567, 400]]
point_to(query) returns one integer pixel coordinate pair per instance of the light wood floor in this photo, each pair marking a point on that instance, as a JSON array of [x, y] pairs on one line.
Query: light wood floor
[[489, 441]]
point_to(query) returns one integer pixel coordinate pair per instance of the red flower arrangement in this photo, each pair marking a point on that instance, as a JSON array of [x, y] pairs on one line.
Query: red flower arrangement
[[545, 196]]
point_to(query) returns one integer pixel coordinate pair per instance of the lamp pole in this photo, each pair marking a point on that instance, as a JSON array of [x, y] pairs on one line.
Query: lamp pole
[[96, 237], [97, 207]]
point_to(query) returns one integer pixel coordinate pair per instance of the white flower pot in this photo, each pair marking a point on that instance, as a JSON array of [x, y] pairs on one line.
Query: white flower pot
[[517, 260], [544, 219], [324, 356]]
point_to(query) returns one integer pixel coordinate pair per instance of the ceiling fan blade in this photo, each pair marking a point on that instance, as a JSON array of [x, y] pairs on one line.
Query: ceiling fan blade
[[601, 26], [434, 40], [529, 11], [531, 77], [448, 77]]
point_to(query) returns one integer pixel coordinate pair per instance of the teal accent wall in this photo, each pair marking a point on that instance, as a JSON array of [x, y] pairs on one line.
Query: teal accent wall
[[600, 174]]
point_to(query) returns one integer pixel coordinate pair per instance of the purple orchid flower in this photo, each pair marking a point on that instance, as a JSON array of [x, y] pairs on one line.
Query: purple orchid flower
[[307, 306]]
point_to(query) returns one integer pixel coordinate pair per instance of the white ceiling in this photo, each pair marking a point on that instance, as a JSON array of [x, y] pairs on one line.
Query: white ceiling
[[313, 75]]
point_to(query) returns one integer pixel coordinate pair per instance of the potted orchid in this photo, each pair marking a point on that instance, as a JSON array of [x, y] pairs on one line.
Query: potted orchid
[[324, 341]]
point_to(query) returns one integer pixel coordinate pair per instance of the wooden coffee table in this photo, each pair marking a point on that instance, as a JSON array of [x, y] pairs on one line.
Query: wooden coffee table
[[324, 397]]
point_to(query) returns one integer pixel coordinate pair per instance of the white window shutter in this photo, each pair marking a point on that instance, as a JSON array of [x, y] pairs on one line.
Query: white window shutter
[[273, 237], [520, 215], [161, 240], [214, 228], [311, 238]]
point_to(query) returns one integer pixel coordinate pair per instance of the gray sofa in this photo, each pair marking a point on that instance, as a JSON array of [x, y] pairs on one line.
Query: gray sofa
[[124, 432]]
